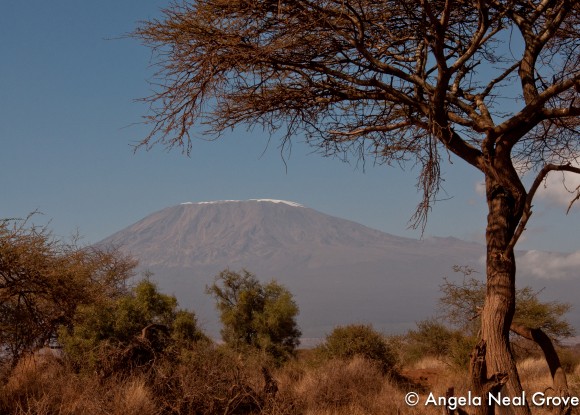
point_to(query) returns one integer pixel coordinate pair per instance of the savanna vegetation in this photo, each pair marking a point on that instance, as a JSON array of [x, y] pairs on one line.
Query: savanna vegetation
[[256, 315], [492, 83], [80, 335]]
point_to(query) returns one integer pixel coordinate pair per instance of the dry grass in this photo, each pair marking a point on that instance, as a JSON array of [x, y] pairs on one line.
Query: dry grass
[[535, 376], [431, 363], [353, 387], [211, 380], [42, 385], [208, 382], [338, 383], [134, 398]]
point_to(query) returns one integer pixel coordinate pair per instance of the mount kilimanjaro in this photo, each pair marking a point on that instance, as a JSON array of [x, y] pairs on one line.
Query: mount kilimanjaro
[[339, 271]]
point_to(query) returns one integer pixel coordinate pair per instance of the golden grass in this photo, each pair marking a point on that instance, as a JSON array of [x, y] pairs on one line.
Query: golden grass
[[535, 374], [354, 387], [205, 382], [338, 383], [357, 387], [134, 398], [431, 363], [43, 385]]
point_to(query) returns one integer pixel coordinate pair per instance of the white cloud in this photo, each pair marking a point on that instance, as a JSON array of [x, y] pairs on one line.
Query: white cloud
[[549, 265], [559, 187]]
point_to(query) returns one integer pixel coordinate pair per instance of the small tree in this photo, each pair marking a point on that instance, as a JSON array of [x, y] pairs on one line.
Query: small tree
[[255, 314], [435, 339], [462, 303], [44, 281], [142, 318], [346, 342]]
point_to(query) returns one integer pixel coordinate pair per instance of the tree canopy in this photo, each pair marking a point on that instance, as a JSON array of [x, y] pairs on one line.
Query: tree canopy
[[43, 282], [491, 81], [462, 302], [255, 314]]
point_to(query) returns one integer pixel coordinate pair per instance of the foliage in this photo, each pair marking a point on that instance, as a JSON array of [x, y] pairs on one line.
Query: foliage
[[142, 318], [346, 342], [44, 281], [432, 338], [462, 302], [255, 314]]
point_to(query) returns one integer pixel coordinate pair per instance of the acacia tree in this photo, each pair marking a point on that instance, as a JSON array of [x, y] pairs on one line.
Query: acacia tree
[[494, 82], [536, 321], [127, 330], [257, 315], [44, 281], [462, 302]]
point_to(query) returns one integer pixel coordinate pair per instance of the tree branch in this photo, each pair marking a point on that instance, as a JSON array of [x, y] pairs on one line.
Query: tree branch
[[527, 212], [349, 135], [559, 381], [513, 129]]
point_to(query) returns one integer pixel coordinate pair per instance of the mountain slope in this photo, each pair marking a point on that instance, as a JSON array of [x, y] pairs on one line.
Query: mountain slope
[[192, 234], [339, 271]]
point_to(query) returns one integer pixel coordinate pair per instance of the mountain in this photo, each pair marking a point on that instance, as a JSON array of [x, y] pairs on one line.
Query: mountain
[[339, 271]]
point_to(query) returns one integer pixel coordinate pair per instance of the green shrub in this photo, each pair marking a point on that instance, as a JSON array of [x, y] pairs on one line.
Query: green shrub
[[460, 349], [432, 338], [129, 330], [346, 342], [255, 315]]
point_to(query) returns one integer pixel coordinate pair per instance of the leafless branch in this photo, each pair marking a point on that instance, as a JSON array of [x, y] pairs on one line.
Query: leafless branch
[[530, 196]]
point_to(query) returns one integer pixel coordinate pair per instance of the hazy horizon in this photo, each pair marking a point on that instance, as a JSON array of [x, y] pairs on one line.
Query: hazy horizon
[[340, 271]]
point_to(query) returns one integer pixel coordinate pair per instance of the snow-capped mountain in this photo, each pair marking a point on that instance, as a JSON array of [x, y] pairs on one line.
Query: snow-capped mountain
[[339, 271]]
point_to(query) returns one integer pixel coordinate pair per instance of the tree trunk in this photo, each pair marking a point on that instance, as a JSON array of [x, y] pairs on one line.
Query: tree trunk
[[499, 304]]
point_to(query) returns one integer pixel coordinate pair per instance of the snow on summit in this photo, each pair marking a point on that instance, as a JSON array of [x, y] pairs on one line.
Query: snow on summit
[[286, 202]]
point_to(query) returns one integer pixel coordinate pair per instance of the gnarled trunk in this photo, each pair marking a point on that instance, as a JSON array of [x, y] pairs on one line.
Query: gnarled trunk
[[499, 306]]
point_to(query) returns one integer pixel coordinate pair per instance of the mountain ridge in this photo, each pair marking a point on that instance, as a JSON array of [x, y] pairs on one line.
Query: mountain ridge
[[339, 271]]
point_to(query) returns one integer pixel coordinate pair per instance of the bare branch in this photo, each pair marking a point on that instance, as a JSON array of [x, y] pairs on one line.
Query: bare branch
[[575, 199], [352, 77], [366, 130], [530, 196], [559, 380], [492, 84]]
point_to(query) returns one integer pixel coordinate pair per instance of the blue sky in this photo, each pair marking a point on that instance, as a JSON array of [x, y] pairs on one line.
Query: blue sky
[[68, 82]]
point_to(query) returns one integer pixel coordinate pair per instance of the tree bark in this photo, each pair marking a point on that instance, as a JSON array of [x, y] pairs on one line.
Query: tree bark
[[483, 385], [499, 307]]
